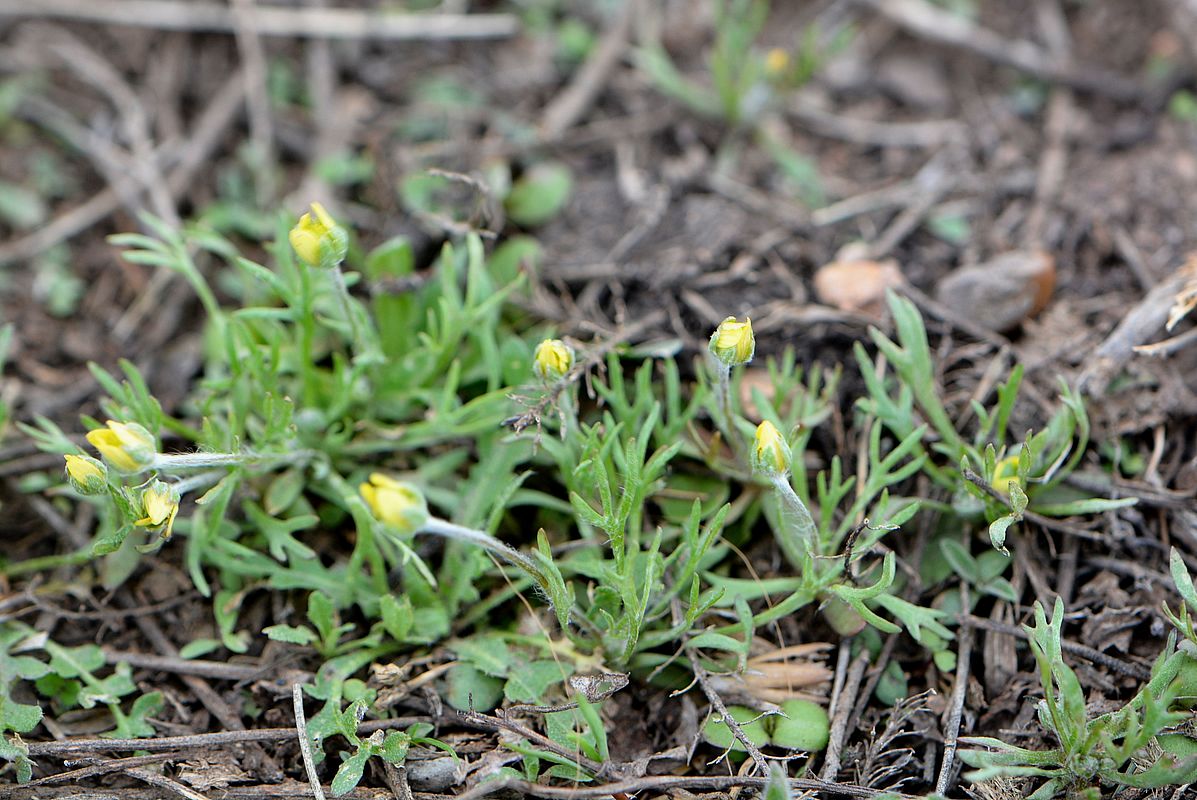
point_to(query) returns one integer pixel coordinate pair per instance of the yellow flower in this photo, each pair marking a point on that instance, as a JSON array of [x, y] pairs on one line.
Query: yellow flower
[[776, 62], [398, 504], [732, 342], [770, 450], [552, 360], [1006, 473], [318, 240], [160, 504], [86, 474], [125, 445]]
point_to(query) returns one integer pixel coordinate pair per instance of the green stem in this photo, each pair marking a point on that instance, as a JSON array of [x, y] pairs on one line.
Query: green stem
[[346, 305], [806, 532], [307, 334], [43, 563], [366, 549], [195, 460], [199, 481], [449, 530]]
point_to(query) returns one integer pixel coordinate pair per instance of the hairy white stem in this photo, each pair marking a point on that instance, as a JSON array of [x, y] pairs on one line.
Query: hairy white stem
[[805, 531], [440, 527]]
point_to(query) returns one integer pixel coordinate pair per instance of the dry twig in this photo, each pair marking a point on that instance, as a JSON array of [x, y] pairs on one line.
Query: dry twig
[[331, 23]]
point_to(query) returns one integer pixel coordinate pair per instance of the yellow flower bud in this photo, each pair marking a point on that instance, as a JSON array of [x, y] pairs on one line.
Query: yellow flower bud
[[770, 451], [318, 240], [159, 504], [125, 445], [732, 342], [86, 474], [777, 61], [552, 360], [1005, 472], [398, 504]]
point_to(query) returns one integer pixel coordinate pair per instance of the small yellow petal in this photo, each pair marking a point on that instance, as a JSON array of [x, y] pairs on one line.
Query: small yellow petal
[[317, 238], [86, 474], [776, 61], [126, 445], [770, 451], [732, 343], [552, 360], [1006, 473], [398, 504], [160, 504]]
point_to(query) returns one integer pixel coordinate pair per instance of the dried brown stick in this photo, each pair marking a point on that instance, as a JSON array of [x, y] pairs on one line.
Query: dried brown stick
[[959, 688], [1052, 164], [305, 747], [938, 25], [98, 768], [209, 128], [917, 135], [934, 180], [216, 670], [660, 784], [567, 107], [1128, 668], [288, 790], [332, 23], [843, 712], [253, 70], [654, 784], [163, 782], [496, 723], [1038, 519], [211, 699]]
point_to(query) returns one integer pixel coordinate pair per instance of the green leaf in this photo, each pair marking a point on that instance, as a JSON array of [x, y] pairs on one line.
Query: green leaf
[[17, 753], [291, 634], [488, 652], [529, 682], [393, 258], [471, 689], [997, 532], [540, 194], [19, 717], [198, 647], [1182, 579], [323, 617], [350, 772], [75, 662], [397, 615], [778, 785], [961, 560], [1093, 505]]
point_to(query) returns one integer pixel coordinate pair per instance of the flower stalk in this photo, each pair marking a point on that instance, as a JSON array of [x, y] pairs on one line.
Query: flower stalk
[[771, 457]]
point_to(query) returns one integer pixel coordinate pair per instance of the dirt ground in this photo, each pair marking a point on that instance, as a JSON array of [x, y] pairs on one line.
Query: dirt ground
[[1038, 134]]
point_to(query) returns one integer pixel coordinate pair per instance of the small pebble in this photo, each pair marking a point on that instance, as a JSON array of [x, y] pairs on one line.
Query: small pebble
[[1002, 292], [857, 285]]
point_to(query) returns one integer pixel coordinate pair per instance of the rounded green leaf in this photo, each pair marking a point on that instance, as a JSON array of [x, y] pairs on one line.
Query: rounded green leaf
[[540, 194], [716, 732], [805, 726]]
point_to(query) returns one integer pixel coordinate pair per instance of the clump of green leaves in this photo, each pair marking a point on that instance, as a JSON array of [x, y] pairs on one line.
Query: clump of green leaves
[[331, 427], [987, 475], [746, 85], [1094, 752]]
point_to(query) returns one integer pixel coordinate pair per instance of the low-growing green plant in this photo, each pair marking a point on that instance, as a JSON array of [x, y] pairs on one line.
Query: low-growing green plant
[[342, 420], [987, 475], [745, 86], [1106, 750]]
